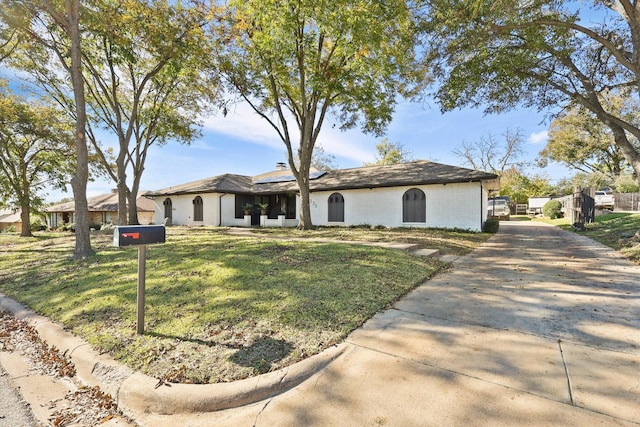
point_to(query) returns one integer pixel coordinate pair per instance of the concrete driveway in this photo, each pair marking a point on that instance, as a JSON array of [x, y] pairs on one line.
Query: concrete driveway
[[536, 327]]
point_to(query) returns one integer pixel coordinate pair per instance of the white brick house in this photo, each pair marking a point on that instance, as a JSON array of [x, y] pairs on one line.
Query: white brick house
[[414, 194]]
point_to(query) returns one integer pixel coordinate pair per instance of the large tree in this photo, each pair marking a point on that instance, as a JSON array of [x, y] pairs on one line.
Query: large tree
[[578, 139], [144, 80], [295, 61], [31, 22], [390, 153], [542, 53], [520, 186], [36, 145], [492, 154]]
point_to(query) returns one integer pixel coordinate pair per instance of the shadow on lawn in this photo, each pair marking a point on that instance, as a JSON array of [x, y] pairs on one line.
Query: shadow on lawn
[[262, 354]]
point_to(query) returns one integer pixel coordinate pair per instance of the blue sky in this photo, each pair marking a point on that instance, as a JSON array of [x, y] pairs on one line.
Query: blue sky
[[243, 143]]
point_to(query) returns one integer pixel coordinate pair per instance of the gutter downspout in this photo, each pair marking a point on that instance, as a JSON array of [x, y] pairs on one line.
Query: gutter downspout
[[481, 207], [220, 209]]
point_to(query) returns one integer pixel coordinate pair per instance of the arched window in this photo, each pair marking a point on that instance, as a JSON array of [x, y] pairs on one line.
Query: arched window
[[197, 209], [414, 206], [168, 209], [336, 208]]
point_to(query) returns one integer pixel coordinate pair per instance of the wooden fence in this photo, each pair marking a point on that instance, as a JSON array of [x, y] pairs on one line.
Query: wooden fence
[[579, 207], [627, 202]]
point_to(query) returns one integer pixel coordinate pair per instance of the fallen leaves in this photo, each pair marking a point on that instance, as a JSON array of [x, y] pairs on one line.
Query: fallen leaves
[[83, 406]]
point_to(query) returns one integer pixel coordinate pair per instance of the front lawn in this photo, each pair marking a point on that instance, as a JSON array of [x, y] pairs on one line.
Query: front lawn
[[219, 307]]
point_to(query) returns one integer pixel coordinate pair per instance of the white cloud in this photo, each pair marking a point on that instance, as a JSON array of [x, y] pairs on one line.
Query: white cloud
[[243, 123], [538, 137]]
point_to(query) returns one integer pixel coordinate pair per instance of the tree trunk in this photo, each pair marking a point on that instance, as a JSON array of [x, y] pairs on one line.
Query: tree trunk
[[25, 202], [302, 178], [133, 205], [123, 192], [305, 205], [25, 230], [628, 150], [122, 188], [79, 181]]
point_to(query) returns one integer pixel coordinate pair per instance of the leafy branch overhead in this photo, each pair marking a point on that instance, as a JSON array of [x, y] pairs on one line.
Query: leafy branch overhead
[[542, 54], [578, 139]]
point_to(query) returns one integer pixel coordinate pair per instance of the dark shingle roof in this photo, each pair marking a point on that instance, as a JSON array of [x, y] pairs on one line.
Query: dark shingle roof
[[413, 173], [227, 183]]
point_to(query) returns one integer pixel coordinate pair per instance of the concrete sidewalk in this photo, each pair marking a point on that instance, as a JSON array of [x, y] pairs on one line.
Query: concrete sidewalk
[[536, 327]]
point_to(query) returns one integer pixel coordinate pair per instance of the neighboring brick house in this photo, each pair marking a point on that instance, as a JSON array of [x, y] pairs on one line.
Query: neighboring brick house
[[10, 219], [102, 209], [414, 194]]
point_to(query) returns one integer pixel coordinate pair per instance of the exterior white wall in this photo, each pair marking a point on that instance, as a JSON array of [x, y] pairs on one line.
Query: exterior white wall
[[461, 205], [183, 209], [448, 206]]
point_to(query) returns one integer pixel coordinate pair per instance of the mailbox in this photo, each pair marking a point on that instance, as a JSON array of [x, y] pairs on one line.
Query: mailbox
[[137, 235]]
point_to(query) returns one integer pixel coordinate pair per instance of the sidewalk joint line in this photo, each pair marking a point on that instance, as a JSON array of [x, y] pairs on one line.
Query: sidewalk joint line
[[473, 377], [566, 372]]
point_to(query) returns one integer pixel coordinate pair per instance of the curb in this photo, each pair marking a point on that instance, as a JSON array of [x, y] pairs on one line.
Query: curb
[[135, 392]]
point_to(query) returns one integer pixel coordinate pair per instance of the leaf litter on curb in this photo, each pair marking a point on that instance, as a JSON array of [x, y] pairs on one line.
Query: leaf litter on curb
[[85, 405]]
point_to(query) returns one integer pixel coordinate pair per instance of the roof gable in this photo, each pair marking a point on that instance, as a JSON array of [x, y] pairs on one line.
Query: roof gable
[[227, 183], [10, 215]]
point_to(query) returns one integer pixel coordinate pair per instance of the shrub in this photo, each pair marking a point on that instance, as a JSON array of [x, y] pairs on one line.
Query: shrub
[[552, 209], [69, 227], [491, 225], [107, 226], [37, 225], [625, 183]]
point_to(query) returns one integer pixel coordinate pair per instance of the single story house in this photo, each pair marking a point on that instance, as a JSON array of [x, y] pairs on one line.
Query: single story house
[[414, 194], [10, 219], [102, 210]]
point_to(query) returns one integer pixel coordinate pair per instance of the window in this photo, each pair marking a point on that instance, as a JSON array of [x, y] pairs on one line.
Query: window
[[168, 209], [336, 208], [414, 206], [197, 209]]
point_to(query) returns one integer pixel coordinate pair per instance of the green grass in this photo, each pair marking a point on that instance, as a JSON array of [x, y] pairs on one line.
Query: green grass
[[616, 230], [561, 222], [220, 307]]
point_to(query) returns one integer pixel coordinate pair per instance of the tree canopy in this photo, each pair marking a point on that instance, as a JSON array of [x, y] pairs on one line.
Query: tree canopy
[[540, 53], [144, 73], [36, 147], [519, 186], [390, 153], [296, 61], [584, 143], [491, 154]]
